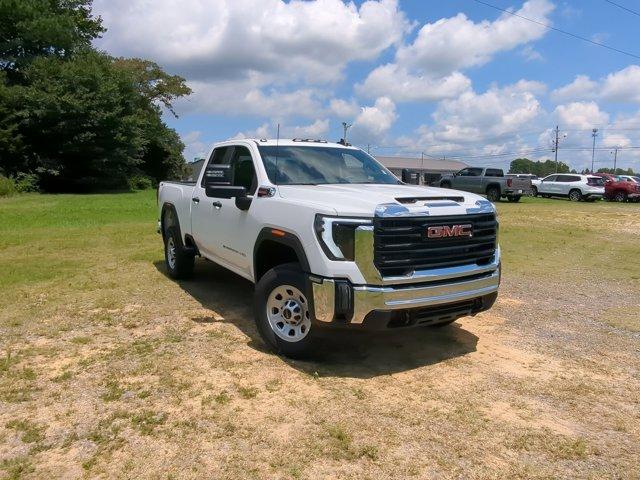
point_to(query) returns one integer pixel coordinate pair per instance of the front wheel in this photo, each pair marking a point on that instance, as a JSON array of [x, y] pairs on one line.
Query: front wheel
[[575, 195], [534, 192], [283, 313]]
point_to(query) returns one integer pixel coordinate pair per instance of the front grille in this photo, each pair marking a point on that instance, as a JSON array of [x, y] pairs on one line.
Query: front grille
[[401, 244]]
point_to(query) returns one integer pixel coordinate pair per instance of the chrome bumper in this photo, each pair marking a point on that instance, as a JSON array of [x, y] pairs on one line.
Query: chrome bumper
[[367, 298]]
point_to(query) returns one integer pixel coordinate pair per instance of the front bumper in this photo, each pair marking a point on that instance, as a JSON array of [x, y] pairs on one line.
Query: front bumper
[[337, 302]]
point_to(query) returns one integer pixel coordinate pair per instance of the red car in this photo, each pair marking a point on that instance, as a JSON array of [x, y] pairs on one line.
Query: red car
[[623, 188]]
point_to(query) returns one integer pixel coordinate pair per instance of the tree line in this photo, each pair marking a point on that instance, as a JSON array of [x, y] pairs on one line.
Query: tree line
[[547, 167], [73, 118]]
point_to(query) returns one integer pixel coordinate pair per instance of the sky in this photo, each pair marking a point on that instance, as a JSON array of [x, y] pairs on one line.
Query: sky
[[454, 79]]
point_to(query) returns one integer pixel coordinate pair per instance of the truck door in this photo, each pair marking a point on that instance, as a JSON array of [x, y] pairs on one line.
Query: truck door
[[548, 185], [468, 179], [205, 211], [239, 227]]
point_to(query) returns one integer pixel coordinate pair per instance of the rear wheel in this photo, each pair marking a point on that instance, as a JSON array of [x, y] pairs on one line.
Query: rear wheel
[[514, 198], [493, 194], [575, 195], [178, 260], [620, 197], [283, 313]]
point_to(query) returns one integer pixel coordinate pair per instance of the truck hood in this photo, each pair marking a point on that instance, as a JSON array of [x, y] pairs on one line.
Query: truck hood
[[366, 200]]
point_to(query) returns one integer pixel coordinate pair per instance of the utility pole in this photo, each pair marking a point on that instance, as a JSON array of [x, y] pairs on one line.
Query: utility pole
[[368, 150], [615, 159], [345, 127], [555, 146], [594, 134]]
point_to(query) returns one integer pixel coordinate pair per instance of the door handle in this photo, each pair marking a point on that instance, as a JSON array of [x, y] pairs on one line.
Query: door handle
[[217, 205], [195, 200]]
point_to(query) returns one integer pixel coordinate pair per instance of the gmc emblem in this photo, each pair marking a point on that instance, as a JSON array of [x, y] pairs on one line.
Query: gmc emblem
[[444, 231]]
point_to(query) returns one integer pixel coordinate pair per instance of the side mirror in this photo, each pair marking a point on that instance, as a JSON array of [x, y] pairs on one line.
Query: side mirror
[[243, 202]]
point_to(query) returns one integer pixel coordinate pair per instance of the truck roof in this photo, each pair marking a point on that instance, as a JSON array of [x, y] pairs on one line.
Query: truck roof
[[295, 142]]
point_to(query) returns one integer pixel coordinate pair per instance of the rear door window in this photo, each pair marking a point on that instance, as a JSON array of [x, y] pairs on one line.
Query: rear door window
[[494, 172], [595, 181]]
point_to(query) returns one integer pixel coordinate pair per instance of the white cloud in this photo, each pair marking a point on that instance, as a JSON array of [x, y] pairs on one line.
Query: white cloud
[[247, 98], [397, 83], [194, 147], [429, 67], [317, 129], [230, 39], [458, 42], [531, 54], [621, 86], [496, 112], [374, 121], [345, 110], [581, 115], [582, 88]]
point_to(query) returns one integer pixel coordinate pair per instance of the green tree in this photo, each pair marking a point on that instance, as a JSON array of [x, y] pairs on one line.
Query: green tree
[[78, 118], [30, 29], [539, 168]]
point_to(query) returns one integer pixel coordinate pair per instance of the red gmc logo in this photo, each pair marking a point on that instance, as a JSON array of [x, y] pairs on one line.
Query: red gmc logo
[[444, 231]]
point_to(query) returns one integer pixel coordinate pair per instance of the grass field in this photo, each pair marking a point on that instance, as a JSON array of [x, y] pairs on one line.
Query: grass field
[[110, 369]]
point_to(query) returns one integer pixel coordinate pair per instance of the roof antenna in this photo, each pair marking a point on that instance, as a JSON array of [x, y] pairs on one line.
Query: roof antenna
[[277, 148]]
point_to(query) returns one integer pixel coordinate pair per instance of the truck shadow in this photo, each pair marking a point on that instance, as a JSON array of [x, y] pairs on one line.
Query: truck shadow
[[340, 353]]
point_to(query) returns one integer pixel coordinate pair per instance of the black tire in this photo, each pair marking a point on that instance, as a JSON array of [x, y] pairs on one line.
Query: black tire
[[514, 198], [575, 195], [178, 260], [620, 197], [534, 192], [278, 278], [493, 194], [445, 185]]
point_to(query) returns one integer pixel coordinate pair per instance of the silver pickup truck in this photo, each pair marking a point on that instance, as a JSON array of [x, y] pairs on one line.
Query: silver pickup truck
[[488, 181]]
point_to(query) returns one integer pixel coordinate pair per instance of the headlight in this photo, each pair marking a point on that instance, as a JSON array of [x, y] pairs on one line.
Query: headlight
[[337, 236]]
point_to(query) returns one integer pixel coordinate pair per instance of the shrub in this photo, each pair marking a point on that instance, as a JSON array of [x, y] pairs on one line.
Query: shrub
[[140, 182], [7, 186], [26, 182]]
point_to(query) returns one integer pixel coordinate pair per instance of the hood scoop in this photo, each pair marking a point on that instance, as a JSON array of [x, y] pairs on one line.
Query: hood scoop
[[412, 200]]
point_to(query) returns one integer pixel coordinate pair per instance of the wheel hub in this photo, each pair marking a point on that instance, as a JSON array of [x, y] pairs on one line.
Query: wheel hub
[[288, 313]]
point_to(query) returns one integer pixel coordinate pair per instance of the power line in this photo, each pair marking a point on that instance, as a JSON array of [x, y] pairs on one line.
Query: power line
[[623, 7], [559, 30]]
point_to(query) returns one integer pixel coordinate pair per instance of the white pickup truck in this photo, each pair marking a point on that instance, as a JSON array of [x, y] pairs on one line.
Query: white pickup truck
[[331, 238]]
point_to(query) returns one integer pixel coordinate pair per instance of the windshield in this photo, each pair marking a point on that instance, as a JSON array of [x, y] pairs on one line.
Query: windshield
[[305, 165]]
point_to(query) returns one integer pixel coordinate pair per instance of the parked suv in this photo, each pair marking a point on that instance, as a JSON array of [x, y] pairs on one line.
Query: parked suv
[[573, 186], [331, 238], [623, 188], [489, 181]]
